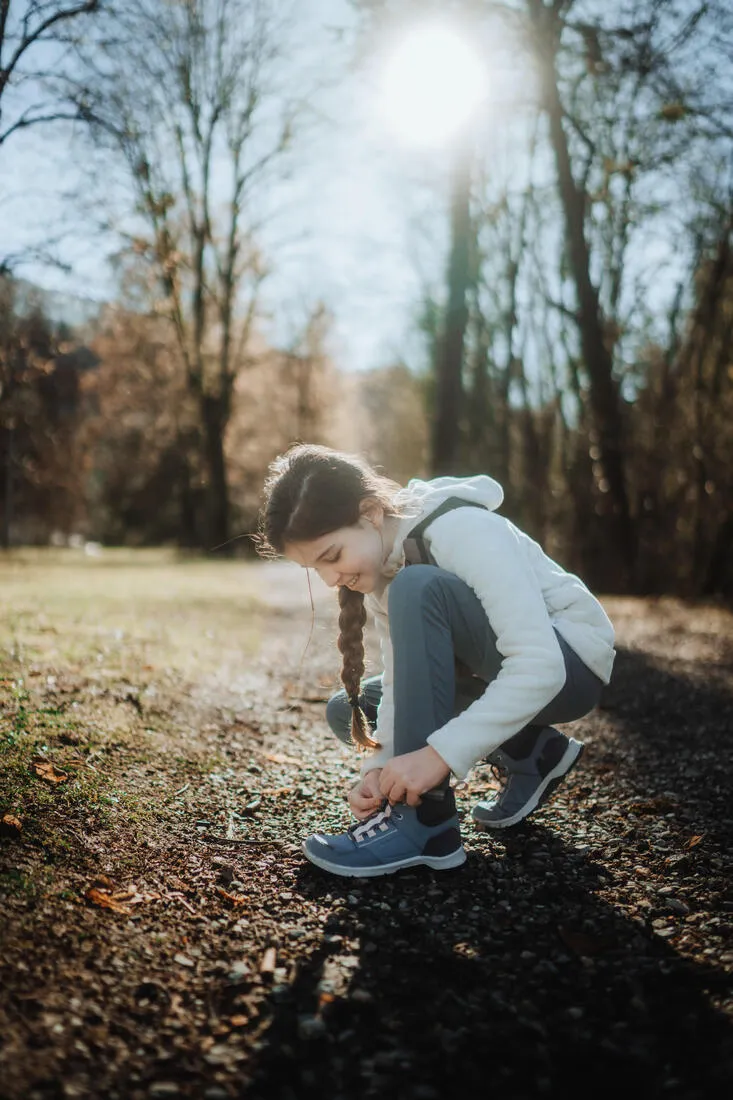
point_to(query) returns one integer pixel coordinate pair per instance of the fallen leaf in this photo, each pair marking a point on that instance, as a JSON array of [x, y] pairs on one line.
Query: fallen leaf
[[238, 1021], [10, 826], [106, 901], [105, 880], [44, 769], [126, 895], [235, 899], [136, 897], [276, 792], [109, 897], [280, 758], [694, 840]]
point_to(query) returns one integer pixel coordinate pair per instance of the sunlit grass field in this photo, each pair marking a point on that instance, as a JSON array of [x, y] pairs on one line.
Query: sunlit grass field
[[146, 607], [104, 659]]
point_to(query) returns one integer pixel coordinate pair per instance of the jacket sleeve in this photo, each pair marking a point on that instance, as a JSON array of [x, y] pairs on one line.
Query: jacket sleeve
[[384, 732], [483, 549]]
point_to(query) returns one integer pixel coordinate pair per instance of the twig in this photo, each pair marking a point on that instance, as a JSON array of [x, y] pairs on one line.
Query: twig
[[177, 896], [211, 839]]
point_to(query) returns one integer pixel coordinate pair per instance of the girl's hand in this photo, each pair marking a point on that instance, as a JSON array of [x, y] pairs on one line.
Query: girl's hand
[[365, 797], [404, 778]]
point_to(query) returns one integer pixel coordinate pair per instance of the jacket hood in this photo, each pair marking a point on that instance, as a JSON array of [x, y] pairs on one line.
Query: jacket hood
[[420, 498], [428, 495]]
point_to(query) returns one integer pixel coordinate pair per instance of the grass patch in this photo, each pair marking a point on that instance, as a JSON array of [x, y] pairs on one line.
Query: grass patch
[[126, 610], [98, 656]]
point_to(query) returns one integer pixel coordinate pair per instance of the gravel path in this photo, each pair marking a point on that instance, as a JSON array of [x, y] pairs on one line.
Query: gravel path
[[590, 948]]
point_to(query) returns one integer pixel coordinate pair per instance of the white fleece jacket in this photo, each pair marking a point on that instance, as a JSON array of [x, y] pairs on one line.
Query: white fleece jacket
[[524, 593]]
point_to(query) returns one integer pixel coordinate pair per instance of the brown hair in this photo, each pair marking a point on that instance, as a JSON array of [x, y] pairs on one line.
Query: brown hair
[[310, 491]]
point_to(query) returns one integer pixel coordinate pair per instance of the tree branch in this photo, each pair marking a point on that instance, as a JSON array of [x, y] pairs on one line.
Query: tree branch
[[29, 38]]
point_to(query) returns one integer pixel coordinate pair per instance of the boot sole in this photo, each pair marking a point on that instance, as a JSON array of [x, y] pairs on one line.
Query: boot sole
[[437, 863], [549, 784]]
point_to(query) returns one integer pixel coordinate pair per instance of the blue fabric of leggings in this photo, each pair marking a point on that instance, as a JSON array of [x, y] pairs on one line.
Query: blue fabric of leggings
[[444, 656]]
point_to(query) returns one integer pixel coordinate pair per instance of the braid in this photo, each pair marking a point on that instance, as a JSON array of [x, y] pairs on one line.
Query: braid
[[351, 644]]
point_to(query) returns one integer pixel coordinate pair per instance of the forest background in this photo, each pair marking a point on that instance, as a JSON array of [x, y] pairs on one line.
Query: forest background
[[573, 332]]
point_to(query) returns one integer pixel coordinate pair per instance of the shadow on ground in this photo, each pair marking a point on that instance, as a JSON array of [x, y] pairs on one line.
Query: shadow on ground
[[523, 972]]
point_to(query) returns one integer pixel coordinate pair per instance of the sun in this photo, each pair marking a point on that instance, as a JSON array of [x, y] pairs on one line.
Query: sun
[[431, 85]]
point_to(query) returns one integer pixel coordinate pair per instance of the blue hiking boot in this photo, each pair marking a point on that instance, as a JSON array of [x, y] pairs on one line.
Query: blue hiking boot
[[392, 838], [535, 761]]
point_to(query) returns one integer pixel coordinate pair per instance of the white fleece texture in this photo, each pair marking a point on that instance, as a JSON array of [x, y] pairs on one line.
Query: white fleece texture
[[524, 593]]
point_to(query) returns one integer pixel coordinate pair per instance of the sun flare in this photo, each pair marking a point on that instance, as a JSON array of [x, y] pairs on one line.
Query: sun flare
[[432, 84]]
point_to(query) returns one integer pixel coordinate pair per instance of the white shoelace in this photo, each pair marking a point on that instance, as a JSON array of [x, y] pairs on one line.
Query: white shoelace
[[369, 827]]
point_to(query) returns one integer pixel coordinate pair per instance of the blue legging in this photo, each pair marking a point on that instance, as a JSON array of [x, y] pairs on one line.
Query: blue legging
[[435, 621]]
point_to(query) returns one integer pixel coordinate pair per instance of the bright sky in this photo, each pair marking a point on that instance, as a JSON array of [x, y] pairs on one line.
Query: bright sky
[[344, 229], [362, 222]]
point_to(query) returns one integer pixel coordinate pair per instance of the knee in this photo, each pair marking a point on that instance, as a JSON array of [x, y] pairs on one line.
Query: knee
[[411, 584], [338, 716]]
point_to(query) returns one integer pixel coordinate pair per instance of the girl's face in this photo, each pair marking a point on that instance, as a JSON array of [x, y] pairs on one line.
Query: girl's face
[[351, 557]]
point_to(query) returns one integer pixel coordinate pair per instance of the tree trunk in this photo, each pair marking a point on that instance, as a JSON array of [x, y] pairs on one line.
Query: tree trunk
[[5, 535], [449, 365], [605, 401], [217, 496]]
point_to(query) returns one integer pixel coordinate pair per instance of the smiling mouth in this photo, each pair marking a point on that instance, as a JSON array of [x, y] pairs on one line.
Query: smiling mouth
[[353, 581]]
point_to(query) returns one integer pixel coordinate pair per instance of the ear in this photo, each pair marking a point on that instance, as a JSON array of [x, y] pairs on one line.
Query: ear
[[371, 510]]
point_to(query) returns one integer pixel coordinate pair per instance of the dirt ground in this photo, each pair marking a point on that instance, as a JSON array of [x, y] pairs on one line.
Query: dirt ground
[[163, 751]]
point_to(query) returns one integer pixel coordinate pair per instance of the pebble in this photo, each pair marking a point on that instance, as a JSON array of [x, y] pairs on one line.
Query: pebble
[[238, 970], [678, 906], [361, 996], [219, 1055], [164, 1088], [311, 1027]]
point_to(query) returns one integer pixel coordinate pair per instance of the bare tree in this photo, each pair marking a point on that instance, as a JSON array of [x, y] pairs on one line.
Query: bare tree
[[604, 393], [185, 93], [36, 83], [449, 395]]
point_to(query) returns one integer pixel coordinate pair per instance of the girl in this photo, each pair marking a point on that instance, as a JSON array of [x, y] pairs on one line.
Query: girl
[[485, 641]]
